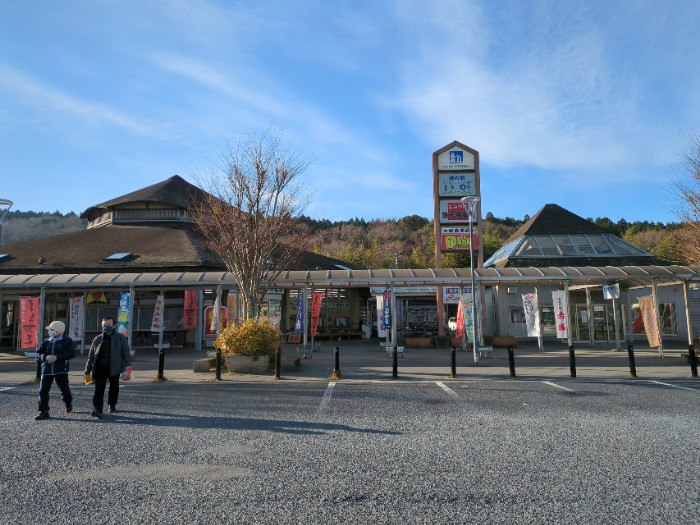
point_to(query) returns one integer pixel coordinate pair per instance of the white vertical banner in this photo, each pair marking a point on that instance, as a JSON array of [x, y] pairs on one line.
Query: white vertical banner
[[75, 323], [158, 310], [216, 316], [561, 308], [532, 314], [381, 326]]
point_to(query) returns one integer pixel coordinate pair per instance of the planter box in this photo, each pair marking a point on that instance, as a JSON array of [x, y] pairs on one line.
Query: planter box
[[419, 342], [247, 364]]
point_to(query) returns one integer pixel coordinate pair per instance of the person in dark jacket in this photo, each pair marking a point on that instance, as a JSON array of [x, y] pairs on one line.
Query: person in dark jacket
[[109, 356], [53, 355]]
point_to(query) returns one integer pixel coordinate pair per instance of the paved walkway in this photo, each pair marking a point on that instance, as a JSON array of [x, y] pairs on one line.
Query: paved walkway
[[366, 360]]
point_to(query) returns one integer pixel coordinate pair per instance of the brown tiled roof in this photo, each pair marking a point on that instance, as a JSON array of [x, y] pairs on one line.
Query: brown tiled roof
[[552, 219], [175, 191], [155, 248]]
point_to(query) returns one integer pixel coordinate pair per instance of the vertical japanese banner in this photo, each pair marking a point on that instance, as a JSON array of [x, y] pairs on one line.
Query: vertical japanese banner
[[123, 315], [532, 314], [299, 324], [75, 321], [459, 332], [651, 322], [561, 317], [381, 329], [466, 299], [189, 317], [316, 301], [387, 310], [28, 321], [216, 316], [158, 310]]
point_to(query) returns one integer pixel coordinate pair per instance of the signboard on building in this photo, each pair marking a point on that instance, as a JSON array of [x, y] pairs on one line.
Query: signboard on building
[[611, 291], [455, 159], [456, 184], [452, 211], [457, 239], [451, 294]]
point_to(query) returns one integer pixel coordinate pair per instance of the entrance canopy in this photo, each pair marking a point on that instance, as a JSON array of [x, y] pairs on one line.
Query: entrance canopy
[[627, 276]]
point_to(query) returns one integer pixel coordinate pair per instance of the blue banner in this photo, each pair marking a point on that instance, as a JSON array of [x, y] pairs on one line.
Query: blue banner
[[386, 320], [123, 316], [299, 324]]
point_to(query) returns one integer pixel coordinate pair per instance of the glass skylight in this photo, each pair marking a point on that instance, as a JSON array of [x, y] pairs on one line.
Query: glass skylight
[[119, 256], [5, 257]]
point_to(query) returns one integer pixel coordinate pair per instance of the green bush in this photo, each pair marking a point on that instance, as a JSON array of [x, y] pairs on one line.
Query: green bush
[[253, 337]]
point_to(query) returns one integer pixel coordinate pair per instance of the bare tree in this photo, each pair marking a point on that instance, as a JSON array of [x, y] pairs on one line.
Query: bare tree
[[687, 190], [248, 219]]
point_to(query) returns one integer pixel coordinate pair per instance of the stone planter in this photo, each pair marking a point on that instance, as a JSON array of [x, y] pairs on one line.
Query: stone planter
[[247, 364], [419, 342]]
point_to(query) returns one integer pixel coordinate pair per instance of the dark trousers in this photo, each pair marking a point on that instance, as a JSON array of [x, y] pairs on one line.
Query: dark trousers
[[45, 387], [100, 377]]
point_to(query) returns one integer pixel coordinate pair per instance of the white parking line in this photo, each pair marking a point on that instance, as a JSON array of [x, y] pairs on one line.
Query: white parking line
[[2, 389], [446, 388], [674, 386], [327, 395], [558, 386]]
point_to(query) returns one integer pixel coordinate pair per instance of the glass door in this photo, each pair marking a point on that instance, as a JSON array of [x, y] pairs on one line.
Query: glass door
[[581, 322]]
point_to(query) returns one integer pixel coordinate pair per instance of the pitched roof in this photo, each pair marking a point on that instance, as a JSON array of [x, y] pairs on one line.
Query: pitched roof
[[175, 191], [552, 219]]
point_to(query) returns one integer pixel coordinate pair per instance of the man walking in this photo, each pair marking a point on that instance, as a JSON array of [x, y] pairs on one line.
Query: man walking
[[53, 355], [109, 356]]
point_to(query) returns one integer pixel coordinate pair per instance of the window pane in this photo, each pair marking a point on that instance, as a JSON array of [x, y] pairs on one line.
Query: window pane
[[565, 245], [600, 245], [517, 315], [547, 245], [582, 244], [528, 247]]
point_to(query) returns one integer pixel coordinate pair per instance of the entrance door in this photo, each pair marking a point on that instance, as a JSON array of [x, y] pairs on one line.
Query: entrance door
[[581, 323], [9, 325], [602, 323]]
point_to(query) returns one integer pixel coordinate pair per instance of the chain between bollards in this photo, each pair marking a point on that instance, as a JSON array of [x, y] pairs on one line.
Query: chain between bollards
[[218, 364], [278, 362], [693, 361], [572, 361], [630, 357], [395, 364], [336, 370], [453, 362], [511, 361], [161, 363]]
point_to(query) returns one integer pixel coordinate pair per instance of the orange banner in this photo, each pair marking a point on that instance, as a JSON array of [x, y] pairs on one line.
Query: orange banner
[[316, 300], [29, 321]]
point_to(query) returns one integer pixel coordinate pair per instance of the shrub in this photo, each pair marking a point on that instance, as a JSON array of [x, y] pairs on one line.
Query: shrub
[[253, 337]]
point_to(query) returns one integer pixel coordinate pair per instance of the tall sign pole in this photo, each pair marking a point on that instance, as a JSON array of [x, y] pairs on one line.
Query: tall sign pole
[[455, 175]]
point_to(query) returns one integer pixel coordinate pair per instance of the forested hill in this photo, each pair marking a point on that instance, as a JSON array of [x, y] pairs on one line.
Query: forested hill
[[380, 243]]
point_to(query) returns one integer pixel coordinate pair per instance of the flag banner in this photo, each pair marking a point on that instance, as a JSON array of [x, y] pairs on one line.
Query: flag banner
[[381, 330], [459, 331], [532, 314], [386, 320], [299, 324], [316, 301], [211, 324], [561, 316], [75, 320], [216, 315], [189, 317], [28, 321], [123, 315], [158, 311], [651, 320]]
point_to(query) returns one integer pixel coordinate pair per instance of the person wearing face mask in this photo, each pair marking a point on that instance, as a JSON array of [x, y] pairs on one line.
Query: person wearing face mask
[[109, 356], [53, 355]]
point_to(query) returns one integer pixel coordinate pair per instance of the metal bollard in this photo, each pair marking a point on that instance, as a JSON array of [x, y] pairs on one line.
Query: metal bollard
[[453, 362], [572, 361], [630, 357], [278, 362], [161, 363], [218, 364], [395, 364], [511, 361], [336, 371], [693, 361]]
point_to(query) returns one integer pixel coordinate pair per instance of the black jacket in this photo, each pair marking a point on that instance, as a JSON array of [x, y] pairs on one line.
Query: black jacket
[[64, 350]]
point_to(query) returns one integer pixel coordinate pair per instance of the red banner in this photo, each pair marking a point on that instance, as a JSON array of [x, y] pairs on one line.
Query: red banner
[[459, 332], [210, 322], [189, 317], [316, 301], [29, 321]]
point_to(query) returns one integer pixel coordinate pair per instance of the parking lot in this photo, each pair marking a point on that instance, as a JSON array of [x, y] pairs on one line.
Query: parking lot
[[484, 450]]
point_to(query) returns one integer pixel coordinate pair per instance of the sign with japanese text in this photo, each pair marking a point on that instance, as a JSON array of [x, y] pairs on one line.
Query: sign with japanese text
[[457, 238], [456, 184], [532, 314], [75, 318], [451, 294], [28, 321], [561, 316], [651, 320], [386, 319], [123, 314], [611, 291], [454, 211], [381, 329], [299, 323], [158, 312], [316, 301], [455, 159], [189, 317]]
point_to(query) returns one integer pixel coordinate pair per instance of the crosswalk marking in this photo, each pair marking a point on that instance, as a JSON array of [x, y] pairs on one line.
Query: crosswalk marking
[[327, 395], [674, 386], [557, 386], [446, 388], [6, 388]]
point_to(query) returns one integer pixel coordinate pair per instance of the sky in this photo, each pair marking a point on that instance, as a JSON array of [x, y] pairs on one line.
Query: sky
[[585, 104]]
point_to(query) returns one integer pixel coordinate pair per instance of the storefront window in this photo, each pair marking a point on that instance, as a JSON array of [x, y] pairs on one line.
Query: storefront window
[[517, 315]]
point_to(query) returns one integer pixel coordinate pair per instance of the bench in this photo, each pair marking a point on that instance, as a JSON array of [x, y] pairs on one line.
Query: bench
[[305, 351], [399, 351], [504, 341], [203, 366]]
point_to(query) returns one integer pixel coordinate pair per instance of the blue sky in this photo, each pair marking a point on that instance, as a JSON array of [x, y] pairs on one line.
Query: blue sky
[[586, 104]]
